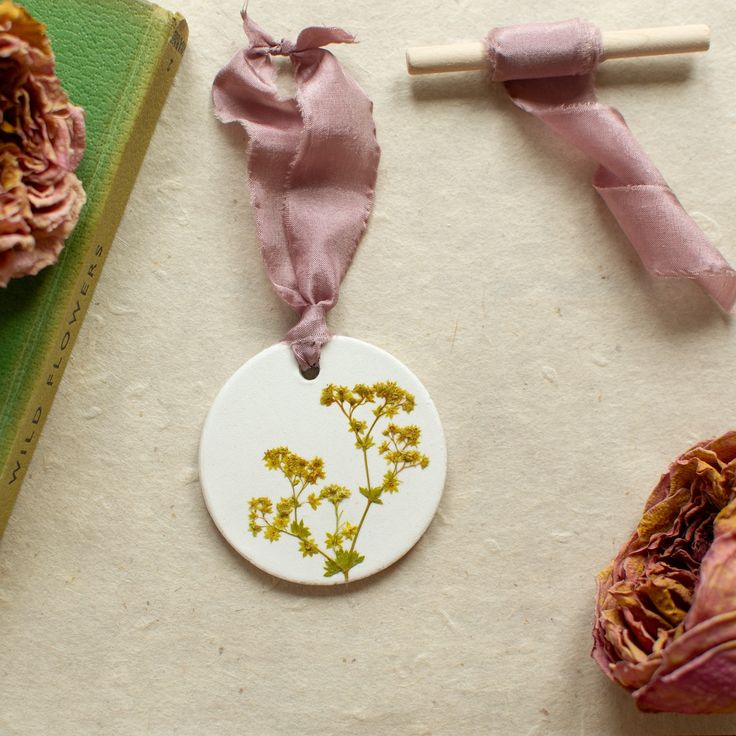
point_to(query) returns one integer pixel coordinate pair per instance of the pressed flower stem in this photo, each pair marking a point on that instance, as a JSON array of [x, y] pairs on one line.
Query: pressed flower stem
[[337, 520], [360, 524], [364, 439], [296, 501], [365, 512], [369, 502], [367, 472], [367, 476], [375, 421]]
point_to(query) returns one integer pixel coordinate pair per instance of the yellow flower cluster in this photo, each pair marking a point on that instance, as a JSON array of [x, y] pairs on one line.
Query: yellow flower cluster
[[399, 449], [295, 468], [334, 494], [300, 473], [393, 398]]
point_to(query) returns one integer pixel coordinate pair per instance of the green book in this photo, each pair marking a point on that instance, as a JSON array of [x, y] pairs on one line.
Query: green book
[[117, 60]]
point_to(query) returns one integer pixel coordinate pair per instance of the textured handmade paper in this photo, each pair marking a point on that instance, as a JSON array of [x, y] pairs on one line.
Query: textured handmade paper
[[566, 379]]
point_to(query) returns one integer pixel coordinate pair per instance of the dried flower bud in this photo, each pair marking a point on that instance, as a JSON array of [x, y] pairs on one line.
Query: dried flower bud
[[665, 623], [42, 139]]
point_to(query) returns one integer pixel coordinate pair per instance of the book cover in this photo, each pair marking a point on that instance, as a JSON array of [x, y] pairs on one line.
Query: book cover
[[117, 60]]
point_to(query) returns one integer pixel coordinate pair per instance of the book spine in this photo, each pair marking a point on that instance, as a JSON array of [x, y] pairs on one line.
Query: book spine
[[42, 395]]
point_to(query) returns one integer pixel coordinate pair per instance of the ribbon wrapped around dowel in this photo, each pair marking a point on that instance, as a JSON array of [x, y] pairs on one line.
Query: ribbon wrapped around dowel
[[313, 161], [547, 69]]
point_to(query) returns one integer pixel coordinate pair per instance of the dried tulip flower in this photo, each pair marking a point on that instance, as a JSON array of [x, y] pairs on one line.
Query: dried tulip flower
[[665, 626], [42, 138]]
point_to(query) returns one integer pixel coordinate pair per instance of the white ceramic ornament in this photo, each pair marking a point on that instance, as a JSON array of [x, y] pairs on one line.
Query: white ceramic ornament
[[332, 479], [328, 480]]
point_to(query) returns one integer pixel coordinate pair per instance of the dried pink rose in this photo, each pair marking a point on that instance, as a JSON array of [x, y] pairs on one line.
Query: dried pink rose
[[42, 139], [665, 623]]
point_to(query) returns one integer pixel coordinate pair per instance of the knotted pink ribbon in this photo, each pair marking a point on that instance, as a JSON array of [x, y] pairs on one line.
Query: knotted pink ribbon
[[548, 71], [313, 162]]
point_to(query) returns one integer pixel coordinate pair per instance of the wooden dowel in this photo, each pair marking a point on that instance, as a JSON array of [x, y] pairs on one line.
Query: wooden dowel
[[655, 41], [471, 56]]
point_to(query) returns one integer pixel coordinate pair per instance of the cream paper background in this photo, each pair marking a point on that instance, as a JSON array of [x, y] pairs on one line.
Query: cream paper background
[[566, 379]]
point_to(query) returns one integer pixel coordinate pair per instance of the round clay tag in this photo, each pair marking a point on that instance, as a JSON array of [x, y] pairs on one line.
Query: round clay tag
[[327, 480]]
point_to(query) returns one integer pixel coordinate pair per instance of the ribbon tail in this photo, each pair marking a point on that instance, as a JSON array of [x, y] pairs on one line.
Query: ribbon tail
[[667, 239], [669, 242], [330, 189], [313, 163], [548, 70]]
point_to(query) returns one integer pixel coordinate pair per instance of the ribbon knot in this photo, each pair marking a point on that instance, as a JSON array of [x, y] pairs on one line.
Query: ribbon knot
[[283, 48], [309, 336]]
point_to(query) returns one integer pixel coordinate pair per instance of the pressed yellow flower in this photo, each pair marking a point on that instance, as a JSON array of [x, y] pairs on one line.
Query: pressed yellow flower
[[328, 395], [274, 457], [411, 457], [308, 548], [284, 506], [343, 394], [349, 530], [399, 451], [390, 482], [366, 393], [333, 541], [293, 466], [334, 493], [409, 435], [298, 471], [262, 504], [272, 533], [315, 471], [358, 426]]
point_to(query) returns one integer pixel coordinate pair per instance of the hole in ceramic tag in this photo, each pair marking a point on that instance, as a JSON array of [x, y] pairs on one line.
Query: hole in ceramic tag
[[310, 373]]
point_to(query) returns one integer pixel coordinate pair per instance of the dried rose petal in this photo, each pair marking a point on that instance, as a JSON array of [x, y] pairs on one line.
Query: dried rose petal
[[42, 139], [665, 625]]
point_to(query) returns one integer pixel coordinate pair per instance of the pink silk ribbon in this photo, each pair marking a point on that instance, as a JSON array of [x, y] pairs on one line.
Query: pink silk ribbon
[[313, 161], [548, 71]]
